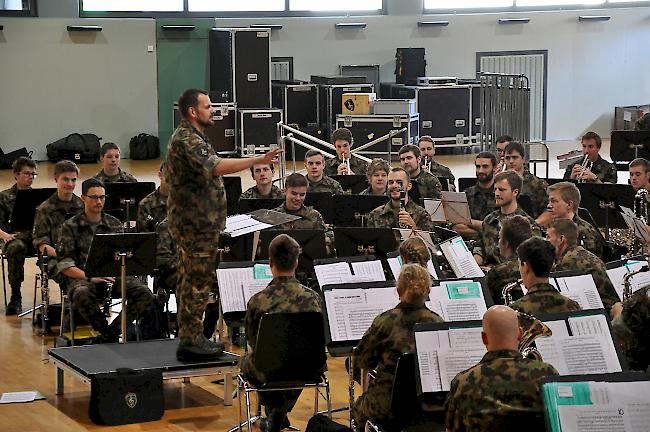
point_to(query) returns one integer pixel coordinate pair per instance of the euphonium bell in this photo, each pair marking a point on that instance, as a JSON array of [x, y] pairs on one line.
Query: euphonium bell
[[533, 329]]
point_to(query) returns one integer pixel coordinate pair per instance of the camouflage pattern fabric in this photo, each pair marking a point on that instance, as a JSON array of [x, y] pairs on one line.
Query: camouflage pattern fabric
[[253, 193], [166, 258], [643, 123], [17, 249], [544, 298], [389, 336], [578, 258], [357, 166], [632, 328], [120, 177], [326, 184], [501, 275], [428, 185], [311, 219], [151, 211], [480, 200], [487, 245], [535, 188], [367, 191], [503, 383], [605, 171], [386, 216], [589, 237], [283, 294], [440, 170]]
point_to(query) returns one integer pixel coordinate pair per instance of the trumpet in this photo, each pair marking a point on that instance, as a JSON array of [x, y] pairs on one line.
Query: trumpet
[[346, 161], [533, 329], [586, 165], [503, 165], [506, 292], [627, 284], [426, 164]]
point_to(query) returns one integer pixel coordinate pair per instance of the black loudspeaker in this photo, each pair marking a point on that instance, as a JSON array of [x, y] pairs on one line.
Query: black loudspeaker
[[240, 66], [409, 65]]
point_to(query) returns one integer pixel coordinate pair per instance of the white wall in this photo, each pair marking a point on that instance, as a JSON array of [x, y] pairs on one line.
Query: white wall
[[53, 82]]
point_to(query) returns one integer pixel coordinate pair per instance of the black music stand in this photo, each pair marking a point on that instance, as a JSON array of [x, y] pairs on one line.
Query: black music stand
[[235, 248], [466, 182], [312, 246], [109, 255], [247, 205], [24, 210], [352, 210], [321, 201], [364, 241], [627, 145], [232, 185], [526, 204], [603, 201], [127, 196], [353, 183]]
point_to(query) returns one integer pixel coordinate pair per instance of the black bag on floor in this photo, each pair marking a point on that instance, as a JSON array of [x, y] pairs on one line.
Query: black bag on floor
[[79, 148], [322, 423], [7, 159], [144, 146], [126, 397]]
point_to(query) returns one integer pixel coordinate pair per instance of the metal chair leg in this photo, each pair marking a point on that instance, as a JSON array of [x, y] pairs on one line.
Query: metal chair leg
[[4, 278]]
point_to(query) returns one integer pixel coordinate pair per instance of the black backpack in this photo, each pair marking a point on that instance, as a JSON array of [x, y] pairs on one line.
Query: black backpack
[[79, 148], [7, 159], [144, 146]]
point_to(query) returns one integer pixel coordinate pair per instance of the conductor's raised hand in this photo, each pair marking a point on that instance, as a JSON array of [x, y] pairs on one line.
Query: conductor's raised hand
[[270, 156]]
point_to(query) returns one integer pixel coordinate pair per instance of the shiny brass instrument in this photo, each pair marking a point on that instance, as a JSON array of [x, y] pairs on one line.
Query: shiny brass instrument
[[426, 164], [641, 201], [627, 284], [586, 165], [346, 161], [533, 329], [506, 292], [504, 166]]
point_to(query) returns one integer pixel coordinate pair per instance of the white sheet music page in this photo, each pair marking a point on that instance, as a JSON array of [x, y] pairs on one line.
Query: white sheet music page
[[332, 274], [427, 344], [252, 287], [581, 289], [460, 300], [453, 362], [578, 355], [371, 271], [395, 265], [230, 282], [460, 259]]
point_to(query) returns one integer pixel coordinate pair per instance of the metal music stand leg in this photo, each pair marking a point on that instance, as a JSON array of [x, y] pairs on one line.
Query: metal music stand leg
[[122, 255]]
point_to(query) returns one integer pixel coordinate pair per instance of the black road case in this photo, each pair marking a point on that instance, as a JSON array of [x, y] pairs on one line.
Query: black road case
[[298, 102], [330, 99], [338, 79], [366, 128], [409, 65], [223, 133], [240, 66], [258, 130]]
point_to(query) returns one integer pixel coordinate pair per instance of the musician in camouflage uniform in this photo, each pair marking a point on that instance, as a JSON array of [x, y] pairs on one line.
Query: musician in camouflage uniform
[[264, 187], [109, 156], [514, 230], [377, 177], [153, 208], [643, 122], [414, 251], [342, 141], [72, 251], [16, 246], [601, 171], [52, 212], [197, 215], [563, 234], [631, 324], [428, 184], [536, 257], [501, 385], [500, 152], [296, 192], [563, 203], [319, 182], [640, 174], [428, 151], [532, 186], [390, 336], [283, 294], [507, 185], [480, 197]]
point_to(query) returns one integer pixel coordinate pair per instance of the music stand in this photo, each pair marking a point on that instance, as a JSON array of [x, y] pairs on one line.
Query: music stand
[[353, 183], [247, 205], [627, 145], [235, 249], [24, 210], [127, 196], [321, 201], [526, 204], [312, 246], [232, 185], [352, 210], [603, 200], [364, 241], [466, 182], [109, 255]]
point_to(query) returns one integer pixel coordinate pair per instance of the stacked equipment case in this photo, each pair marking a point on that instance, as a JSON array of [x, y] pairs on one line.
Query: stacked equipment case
[[223, 133]]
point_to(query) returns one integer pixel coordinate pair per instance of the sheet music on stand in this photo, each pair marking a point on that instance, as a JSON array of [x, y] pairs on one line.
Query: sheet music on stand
[[460, 259], [580, 288], [256, 220], [238, 282], [348, 270], [636, 224], [451, 207], [638, 281], [458, 300], [395, 264]]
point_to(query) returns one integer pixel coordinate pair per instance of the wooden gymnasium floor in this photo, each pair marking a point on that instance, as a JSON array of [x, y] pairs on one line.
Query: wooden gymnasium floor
[[193, 406]]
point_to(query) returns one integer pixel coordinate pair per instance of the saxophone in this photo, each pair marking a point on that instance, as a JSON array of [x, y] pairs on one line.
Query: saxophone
[[534, 329], [506, 292], [627, 284]]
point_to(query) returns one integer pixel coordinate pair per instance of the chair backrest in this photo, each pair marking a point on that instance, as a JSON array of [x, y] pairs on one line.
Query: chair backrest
[[290, 347], [404, 399]]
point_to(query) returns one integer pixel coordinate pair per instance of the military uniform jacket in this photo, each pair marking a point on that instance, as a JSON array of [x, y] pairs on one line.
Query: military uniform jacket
[[386, 216], [120, 177], [283, 294], [428, 185], [578, 258], [488, 239], [357, 166], [480, 200], [633, 327], [311, 219], [166, 252], [440, 170], [501, 275], [77, 236], [643, 123], [49, 218], [254, 193], [151, 211], [544, 298], [589, 237], [502, 383], [197, 198], [368, 191], [326, 184], [535, 188], [7, 201], [605, 171]]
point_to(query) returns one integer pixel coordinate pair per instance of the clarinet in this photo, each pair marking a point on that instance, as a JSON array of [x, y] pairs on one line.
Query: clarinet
[[45, 292], [402, 204]]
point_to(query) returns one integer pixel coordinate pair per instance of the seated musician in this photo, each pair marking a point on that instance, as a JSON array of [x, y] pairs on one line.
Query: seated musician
[[536, 257], [318, 181], [153, 208], [514, 230], [507, 185], [283, 294], [377, 177], [596, 169], [428, 150], [502, 386], [295, 191], [500, 146], [532, 186], [563, 203], [563, 234], [389, 336], [414, 251], [342, 141], [76, 237], [640, 174], [264, 187], [15, 245], [411, 161], [109, 156]]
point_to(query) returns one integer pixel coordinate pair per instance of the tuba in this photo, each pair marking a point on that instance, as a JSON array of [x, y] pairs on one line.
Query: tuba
[[627, 284], [533, 329], [506, 292]]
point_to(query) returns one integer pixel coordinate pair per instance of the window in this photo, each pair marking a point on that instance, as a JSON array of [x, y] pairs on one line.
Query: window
[[17, 7], [236, 6], [526, 3], [460, 4], [510, 5], [131, 6], [335, 5]]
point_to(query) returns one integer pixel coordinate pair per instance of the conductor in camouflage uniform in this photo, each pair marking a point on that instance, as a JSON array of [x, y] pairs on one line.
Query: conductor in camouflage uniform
[[153, 208], [16, 246], [166, 259], [72, 251], [283, 294], [428, 184], [502, 384], [342, 141], [197, 215], [318, 181], [264, 187], [536, 260], [532, 186], [390, 336], [631, 324], [109, 156], [563, 234], [601, 171]]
